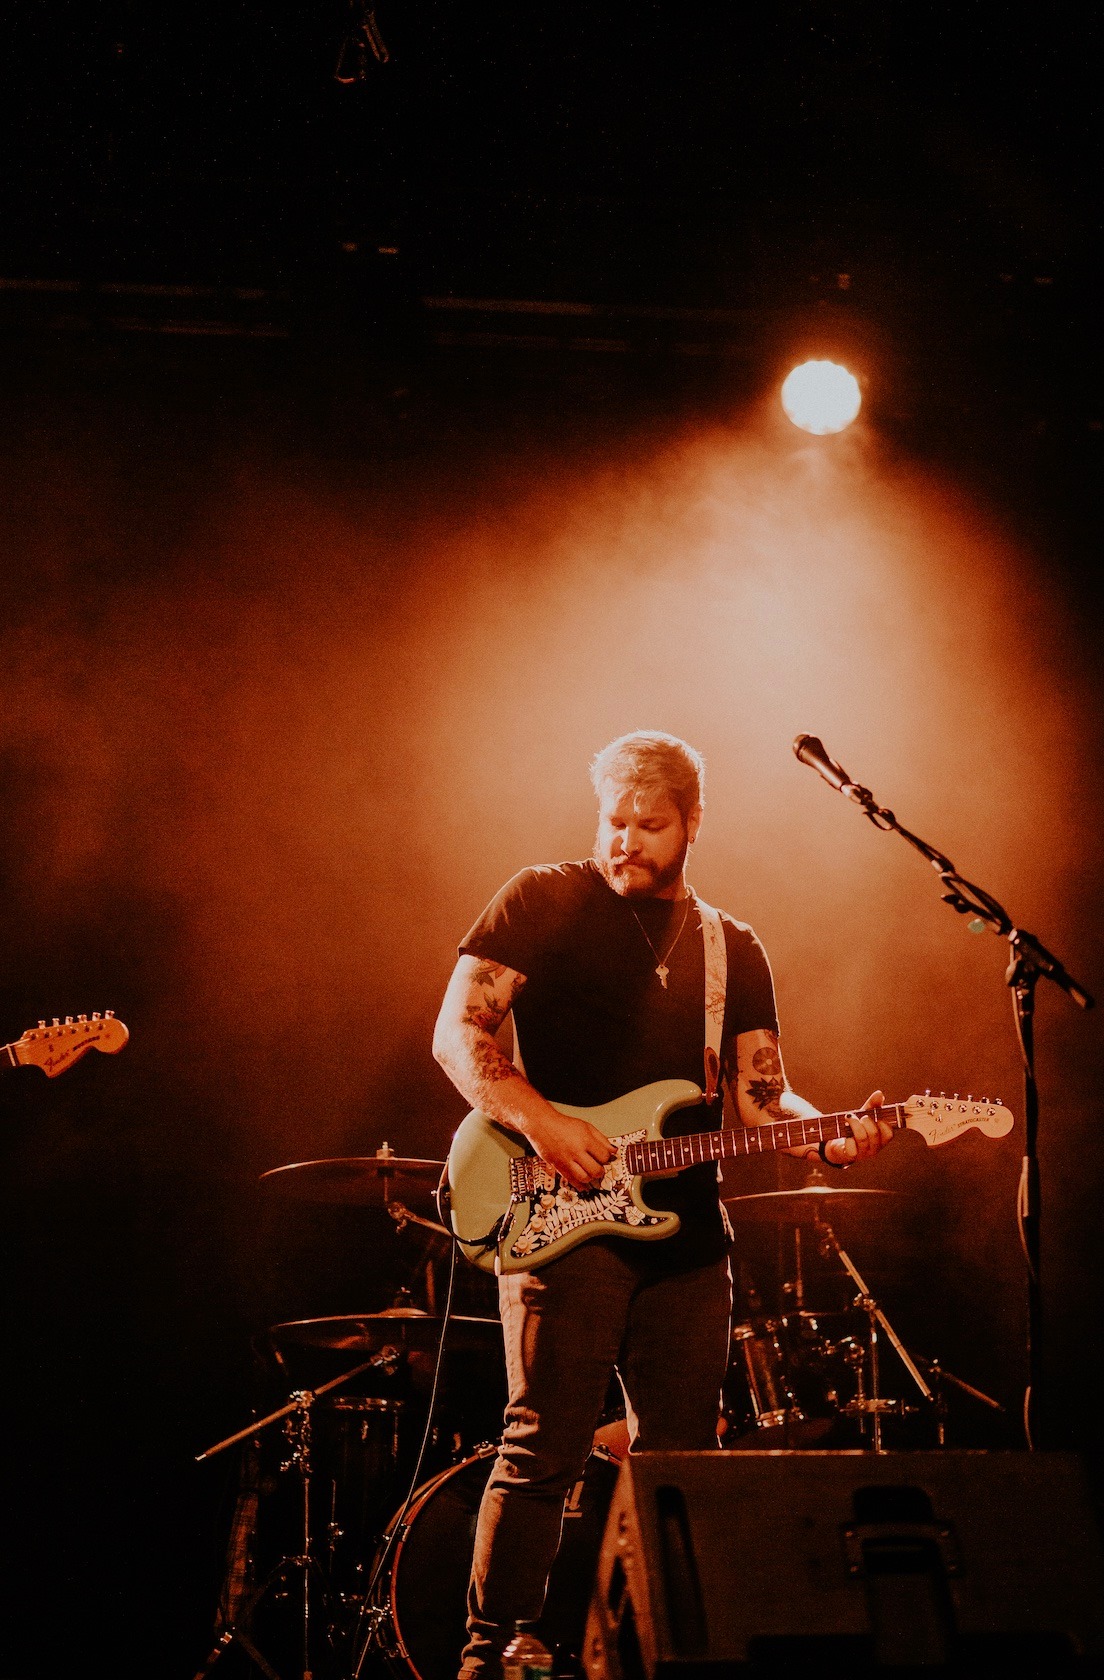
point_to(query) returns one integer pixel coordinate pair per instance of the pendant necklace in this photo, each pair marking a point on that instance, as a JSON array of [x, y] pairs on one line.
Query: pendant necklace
[[661, 962]]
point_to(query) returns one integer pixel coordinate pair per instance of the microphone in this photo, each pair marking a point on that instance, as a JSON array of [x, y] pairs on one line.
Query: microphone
[[813, 753]]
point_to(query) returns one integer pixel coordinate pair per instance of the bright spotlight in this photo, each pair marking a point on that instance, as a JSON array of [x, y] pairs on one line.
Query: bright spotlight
[[821, 397]]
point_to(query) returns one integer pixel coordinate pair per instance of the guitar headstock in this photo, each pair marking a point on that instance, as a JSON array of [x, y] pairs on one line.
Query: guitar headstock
[[56, 1047], [942, 1118]]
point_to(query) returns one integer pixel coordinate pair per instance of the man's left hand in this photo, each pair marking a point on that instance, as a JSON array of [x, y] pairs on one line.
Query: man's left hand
[[869, 1133]]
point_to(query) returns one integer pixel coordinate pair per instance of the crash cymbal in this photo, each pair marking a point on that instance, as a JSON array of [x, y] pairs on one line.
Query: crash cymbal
[[805, 1206], [357, 1180], [404, 1328]]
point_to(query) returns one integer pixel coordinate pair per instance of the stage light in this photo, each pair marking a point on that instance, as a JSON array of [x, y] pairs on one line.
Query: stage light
[[821, 397]]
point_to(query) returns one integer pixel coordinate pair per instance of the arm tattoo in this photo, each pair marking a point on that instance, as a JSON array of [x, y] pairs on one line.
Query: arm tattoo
[[491, 1065], [765, 1094], [490, 1014], [486, 1019], [767, 1061], [767, 1090]]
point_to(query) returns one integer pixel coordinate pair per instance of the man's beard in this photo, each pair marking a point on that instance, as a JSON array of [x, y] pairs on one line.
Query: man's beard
[[626, 886]]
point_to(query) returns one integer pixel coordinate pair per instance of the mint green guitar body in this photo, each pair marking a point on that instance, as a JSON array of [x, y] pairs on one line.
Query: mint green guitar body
[[510, 1213]]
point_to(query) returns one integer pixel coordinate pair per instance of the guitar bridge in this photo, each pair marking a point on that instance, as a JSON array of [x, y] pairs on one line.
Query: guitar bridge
[[530, 1177]]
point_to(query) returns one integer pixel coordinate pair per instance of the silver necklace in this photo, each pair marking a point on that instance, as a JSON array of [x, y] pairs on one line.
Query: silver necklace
[[661, 961]]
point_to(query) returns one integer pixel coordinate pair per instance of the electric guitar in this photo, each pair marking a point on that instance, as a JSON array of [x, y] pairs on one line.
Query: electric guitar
[[55, 1048], [511, 1213]]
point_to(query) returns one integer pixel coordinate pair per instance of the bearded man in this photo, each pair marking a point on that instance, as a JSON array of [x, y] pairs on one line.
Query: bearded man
[[604, 964]]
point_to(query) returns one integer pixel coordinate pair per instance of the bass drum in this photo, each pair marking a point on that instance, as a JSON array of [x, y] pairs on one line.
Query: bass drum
[[431, 1563]]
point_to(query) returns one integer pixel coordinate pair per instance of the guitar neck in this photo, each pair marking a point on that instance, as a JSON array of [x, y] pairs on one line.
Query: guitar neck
[[674, 1153]]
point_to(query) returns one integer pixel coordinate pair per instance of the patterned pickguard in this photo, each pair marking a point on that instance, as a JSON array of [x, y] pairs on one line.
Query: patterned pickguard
[[556, 1207]]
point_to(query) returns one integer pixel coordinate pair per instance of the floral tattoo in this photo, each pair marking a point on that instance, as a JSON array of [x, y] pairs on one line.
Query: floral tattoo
[[766, 1091]]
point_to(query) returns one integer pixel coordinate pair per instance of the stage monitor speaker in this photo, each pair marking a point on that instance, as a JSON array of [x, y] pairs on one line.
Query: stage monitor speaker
[[717, 1565]]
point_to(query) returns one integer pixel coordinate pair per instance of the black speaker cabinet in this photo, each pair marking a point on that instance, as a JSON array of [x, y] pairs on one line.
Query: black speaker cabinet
[[830, 1563]]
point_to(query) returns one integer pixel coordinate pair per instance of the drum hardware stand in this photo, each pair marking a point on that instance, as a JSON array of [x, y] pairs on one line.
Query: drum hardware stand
[[870, 1405], [298, 1427], [940, 1378], [403, 1217], [1028, 960]]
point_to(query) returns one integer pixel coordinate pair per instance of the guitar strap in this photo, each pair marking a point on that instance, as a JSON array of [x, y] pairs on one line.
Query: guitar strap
[[716, 983]]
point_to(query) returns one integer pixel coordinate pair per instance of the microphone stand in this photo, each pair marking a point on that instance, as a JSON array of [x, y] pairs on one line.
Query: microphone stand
[[1029, 960]]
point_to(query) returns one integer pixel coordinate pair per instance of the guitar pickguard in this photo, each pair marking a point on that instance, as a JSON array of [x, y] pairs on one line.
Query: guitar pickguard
[[556, 1207]]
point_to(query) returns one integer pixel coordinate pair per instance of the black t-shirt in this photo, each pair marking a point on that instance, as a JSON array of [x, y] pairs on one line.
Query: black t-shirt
[[593, 1020]]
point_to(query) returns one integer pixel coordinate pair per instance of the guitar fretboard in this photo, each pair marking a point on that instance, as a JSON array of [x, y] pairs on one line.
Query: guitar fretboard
[[673, 1153]]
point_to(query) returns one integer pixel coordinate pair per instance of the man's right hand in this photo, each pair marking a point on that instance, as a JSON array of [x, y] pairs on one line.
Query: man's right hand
[[477, 1001], [574, 1148]]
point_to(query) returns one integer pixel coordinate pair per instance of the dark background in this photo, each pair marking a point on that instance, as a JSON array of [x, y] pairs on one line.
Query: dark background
[[372, 453]]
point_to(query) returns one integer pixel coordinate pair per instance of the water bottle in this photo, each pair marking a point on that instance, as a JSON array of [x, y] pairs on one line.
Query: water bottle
[[525, 1657]]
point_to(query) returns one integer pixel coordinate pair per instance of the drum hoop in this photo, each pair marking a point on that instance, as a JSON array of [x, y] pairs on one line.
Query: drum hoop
[[417, 1504], [363, 1403], [418, 1501]]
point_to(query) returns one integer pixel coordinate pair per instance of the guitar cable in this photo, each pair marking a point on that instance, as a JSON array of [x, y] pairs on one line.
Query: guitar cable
[[369, 1611], [494, 1238]]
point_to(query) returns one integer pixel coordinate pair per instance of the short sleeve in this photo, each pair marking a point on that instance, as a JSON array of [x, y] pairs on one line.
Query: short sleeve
[[510, 930], [750, 1004]]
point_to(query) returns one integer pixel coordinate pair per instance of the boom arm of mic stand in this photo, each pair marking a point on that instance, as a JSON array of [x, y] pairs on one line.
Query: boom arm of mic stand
[[969, 899]]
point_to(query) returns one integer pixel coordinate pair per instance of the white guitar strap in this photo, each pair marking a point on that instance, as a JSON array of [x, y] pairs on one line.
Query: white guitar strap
[[716, 982]]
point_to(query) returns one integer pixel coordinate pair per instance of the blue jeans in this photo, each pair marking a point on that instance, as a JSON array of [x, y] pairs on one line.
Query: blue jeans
[[601, 1306]]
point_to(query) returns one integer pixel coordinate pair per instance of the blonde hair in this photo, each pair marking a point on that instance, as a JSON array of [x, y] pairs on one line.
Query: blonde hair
[[652, 758]]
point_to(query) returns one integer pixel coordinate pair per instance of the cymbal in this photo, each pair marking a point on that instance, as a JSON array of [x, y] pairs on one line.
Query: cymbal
[[804, 1206], [404, 1328], [357, 1180]]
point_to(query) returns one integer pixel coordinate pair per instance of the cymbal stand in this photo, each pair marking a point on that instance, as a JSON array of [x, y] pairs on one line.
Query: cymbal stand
[[871, 1404], [297, 1413], [403, 1217]]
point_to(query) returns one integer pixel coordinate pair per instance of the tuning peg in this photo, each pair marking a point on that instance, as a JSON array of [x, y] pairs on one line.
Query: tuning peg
[[68, 1020], [82, 1017], [42, 1024], [95, 1014], [109, 1014], [57, 1023]]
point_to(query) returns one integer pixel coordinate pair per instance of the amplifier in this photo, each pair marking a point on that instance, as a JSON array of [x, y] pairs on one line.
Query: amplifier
[[719, 1564]]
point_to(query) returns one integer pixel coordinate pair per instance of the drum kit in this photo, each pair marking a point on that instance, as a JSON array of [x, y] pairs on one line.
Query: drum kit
[[805, 1377], [351, 1556]]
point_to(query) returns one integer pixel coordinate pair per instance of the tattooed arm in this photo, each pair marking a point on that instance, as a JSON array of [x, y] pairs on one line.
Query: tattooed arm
[[479, 997], [757, 1079]]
